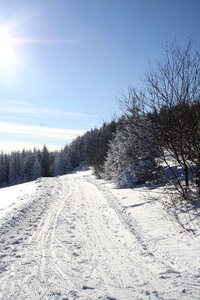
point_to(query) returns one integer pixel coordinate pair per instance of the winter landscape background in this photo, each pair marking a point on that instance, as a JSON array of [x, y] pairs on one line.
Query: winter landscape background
[[112, 211]]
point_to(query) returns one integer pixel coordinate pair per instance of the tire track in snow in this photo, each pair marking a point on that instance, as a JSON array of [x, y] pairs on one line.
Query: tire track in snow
[[121, 257], [79, 248], [180, 283]]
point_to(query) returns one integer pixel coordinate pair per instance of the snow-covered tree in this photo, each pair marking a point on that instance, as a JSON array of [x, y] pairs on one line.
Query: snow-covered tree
[[27, 165], [36, 170], [4, 169], [45, 162], [15, 168], [120, 159], [61, 164], [131, 157]]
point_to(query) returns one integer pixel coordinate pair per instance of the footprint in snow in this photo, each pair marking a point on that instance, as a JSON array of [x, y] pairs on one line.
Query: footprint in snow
[[3, 268], [16, 242], [85, 287]]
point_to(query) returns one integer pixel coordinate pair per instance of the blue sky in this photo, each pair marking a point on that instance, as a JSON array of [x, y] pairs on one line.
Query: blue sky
[[64, 62]]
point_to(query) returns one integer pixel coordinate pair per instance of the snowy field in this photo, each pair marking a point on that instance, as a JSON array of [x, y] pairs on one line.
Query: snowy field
[[74, 237]]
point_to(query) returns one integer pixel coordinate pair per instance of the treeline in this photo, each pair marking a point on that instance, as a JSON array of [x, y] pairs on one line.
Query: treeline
[[87, 150], [156, 139], [18, 167]]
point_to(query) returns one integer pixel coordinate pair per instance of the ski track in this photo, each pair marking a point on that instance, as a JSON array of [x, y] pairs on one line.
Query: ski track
[[73, 241]]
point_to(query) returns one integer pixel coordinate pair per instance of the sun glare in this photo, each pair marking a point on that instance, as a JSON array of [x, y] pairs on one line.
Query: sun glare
[[6, 49]]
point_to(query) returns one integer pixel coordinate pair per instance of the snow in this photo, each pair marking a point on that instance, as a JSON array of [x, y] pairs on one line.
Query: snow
[[76, 237], [15, 196]]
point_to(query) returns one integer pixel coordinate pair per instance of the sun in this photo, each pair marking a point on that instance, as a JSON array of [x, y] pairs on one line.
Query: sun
[[6, 48]]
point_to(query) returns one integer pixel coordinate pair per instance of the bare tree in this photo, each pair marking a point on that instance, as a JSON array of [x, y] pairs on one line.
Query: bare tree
[[172, 97]]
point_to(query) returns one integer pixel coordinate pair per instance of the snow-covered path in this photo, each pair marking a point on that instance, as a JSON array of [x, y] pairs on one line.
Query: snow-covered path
[[70, 243]]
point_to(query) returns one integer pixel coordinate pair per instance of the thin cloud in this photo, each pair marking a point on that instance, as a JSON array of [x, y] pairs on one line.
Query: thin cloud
[[38, 112], [7, 146], [39, 131], [18, 102]]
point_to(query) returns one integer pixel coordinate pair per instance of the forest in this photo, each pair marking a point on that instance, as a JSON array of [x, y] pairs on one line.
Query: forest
[[156, 140]]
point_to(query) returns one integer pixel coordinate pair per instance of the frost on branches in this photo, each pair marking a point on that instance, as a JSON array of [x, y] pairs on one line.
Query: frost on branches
[[131, 156]]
